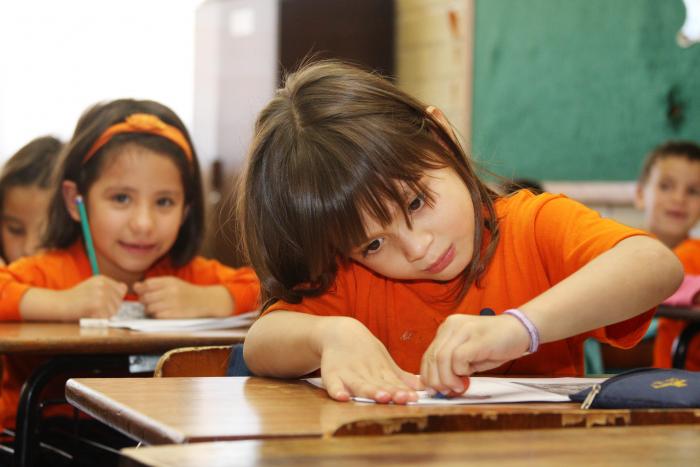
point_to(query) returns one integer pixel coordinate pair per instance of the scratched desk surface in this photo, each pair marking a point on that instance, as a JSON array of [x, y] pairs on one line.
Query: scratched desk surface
[[182, 410], [618, 446]]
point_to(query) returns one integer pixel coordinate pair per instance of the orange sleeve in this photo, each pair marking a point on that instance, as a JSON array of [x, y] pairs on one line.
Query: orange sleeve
[[689, 254], [11, 292], [569, 235], [242, 283], [15, 280]]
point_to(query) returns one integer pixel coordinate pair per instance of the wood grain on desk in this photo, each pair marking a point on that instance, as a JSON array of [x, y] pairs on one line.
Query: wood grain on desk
[[182, 410], [633, 446], [70, 338]]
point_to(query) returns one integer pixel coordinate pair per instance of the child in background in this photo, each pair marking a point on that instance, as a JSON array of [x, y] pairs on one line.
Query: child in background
[[668, 190], [134, 164], [384, 247], [25, 190]]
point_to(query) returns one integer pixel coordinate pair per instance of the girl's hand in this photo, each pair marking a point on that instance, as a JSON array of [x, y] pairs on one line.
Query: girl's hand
[[96, 297], [355, 363], [170, 297], [466, 344]]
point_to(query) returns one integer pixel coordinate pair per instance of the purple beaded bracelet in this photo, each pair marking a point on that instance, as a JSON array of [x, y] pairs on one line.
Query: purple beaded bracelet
[[529, 325]]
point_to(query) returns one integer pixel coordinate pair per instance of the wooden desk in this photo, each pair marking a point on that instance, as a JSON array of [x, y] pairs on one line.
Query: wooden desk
[[69, 338], [73, 349], [632, 446], [182, 410]]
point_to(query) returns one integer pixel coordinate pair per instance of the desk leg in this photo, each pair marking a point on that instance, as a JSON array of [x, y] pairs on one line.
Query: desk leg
[[681, 344], [28, 415]]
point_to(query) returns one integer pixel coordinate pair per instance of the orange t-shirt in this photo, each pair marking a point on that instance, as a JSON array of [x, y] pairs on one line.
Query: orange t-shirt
[[544, 239], [669, 329], [63, 269]]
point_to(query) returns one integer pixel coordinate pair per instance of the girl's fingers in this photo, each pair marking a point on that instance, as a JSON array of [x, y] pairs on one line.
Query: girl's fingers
[[444, 363], [412, 381], [151, 298], [335, 388]]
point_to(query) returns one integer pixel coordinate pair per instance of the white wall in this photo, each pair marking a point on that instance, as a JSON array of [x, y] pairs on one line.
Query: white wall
[[59, 57]]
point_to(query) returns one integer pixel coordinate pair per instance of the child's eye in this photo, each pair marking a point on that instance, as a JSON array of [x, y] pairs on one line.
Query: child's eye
[[694, 191], [165, 202], [15, 230], [121, 198], [373, 246], [417, 203], [664, 186]]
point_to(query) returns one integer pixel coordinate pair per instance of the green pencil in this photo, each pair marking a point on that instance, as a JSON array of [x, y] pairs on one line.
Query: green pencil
[[89, 246]]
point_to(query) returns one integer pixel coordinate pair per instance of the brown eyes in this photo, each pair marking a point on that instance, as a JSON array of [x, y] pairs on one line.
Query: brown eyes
[[372, 247], [417, 203]]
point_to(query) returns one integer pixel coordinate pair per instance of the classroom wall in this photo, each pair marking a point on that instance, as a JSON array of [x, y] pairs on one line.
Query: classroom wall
[[580, 89], [434, 55]]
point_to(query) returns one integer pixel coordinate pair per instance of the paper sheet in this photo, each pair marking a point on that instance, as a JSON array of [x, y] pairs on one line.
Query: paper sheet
[[489, 390], [125, 319]]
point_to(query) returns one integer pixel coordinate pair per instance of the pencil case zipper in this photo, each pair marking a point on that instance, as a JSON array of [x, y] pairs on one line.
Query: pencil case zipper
[[596, 388]]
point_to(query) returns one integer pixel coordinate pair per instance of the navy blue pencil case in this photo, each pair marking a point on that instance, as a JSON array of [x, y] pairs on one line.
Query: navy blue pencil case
[[644, 388]]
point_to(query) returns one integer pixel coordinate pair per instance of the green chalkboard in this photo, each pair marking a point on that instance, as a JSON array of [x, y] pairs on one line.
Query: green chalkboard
[[580, 89]]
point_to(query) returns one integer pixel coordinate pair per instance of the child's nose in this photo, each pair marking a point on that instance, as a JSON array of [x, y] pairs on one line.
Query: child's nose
[[679, 194], [31, 244], [142, 219], [416, 244]]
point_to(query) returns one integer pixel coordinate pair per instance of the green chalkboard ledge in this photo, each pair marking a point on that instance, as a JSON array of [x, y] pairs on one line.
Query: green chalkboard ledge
[[593, 193]]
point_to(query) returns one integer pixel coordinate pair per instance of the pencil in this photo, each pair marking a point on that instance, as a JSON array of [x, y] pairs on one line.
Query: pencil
[[89, 246]]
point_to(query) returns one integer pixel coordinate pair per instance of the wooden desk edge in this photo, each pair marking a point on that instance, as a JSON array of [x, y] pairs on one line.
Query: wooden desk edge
[[110, 414]]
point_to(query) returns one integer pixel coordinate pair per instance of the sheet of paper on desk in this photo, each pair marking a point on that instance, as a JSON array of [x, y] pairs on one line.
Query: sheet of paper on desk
[[489, 390], [173, 325]]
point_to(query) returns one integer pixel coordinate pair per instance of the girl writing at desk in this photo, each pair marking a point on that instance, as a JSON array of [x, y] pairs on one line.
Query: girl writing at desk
[[25, 191], [382, 247], [135, 167]]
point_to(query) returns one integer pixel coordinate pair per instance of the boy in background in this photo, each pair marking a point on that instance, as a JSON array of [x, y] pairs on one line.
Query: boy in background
[[668, 191]]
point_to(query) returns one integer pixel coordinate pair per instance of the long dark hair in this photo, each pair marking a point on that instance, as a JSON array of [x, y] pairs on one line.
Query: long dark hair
[[63, 231], [32, 165], [334, 142]]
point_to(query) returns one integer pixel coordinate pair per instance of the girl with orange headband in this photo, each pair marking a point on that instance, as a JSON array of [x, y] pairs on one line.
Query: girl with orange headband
[[134, 165]]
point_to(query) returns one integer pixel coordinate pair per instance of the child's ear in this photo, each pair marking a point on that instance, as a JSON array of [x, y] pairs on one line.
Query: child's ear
[[70, 192], [639, 197]]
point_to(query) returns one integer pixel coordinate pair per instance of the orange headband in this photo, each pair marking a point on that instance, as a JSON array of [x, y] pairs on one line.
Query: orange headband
[[141, 123]]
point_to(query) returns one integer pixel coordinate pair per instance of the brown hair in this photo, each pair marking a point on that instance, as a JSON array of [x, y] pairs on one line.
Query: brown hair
[[333, 143], [32, 165], [63, 231], [685, 149]]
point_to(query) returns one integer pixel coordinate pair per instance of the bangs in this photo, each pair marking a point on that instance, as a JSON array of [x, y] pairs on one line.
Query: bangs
[[349, 180]]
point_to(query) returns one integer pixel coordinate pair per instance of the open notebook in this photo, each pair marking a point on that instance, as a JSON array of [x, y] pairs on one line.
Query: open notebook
[[131, 316], [488, 390]]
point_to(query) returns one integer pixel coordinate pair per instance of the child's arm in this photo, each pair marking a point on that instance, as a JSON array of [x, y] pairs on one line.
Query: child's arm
[[634, 276], [353, 362], [170, 297], [96, 297]]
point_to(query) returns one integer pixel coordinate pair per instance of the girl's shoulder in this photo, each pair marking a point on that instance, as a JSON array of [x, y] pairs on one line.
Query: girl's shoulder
[[52, 267], [51, 258], [523, 204]]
